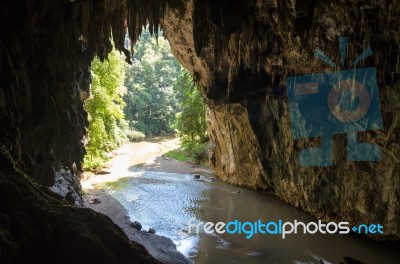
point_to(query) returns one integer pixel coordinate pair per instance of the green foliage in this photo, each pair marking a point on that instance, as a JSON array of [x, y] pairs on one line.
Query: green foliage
[[105, 110], [194, 151], [190, 123], [134, 135], [178, 154], [150, 101], [158, 97], [198, 152], [158, 88]]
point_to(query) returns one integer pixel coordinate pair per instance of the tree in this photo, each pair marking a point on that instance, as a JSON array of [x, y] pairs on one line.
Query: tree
[[191, 121], [150, 101], [105, 109]]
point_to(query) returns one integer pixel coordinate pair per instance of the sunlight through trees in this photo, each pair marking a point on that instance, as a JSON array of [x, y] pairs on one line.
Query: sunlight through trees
[[154, 95]]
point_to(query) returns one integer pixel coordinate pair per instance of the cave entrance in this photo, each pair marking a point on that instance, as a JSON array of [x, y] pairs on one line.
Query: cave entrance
[[152, 99], [147, 132]]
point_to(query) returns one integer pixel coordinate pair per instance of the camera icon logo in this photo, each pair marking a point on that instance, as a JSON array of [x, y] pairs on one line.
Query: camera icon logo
[[325, 104]]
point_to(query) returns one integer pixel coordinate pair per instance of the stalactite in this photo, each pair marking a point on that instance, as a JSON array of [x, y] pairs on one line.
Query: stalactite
[[149, 13]]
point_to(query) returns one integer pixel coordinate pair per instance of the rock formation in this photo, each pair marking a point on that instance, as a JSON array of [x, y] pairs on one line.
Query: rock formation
[[239, 53]]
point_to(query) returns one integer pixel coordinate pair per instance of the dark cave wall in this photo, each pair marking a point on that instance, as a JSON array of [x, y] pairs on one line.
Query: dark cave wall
[[46, 48], [46, 51], [241, 65], [36, 227]]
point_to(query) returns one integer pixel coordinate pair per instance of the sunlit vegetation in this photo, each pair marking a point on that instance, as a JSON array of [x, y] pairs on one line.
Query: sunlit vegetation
[[190, 122], [151, 104], [178, 154], [194, 151], [107, 126], [153, 96], [162, 98]]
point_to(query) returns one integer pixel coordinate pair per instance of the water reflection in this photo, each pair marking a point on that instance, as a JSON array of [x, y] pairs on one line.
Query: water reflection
[[167, 201]]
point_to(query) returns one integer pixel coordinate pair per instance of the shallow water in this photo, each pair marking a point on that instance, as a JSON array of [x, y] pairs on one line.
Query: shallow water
[[167, 201]]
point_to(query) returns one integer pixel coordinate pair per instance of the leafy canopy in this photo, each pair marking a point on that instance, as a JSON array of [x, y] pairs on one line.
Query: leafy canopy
[[154, 95], [107, 126], [150, 100], [190, 122]]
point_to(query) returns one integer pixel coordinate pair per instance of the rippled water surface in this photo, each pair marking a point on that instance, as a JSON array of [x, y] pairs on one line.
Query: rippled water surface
[[166, 202]]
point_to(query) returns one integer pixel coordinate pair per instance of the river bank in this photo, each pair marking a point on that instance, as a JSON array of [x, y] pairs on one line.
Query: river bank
[[164, 194], [144, 155]]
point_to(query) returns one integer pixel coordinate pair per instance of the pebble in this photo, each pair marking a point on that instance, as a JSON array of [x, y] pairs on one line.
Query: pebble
[[152, 231], [137, 225], [70, 198], [95, 200]]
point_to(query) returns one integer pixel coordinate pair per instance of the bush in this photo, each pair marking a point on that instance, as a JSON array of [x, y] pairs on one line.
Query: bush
[[199, 152], [106, 129], [94, 162], [178, 154], [134, 135]]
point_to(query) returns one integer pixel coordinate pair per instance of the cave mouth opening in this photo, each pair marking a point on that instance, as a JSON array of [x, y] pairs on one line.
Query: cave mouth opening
[[153, 98], [144, 118]]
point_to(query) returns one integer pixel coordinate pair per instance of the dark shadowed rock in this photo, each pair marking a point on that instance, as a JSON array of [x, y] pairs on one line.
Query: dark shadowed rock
[[70, 198], [94, 200], [137, 225], [42, 228]]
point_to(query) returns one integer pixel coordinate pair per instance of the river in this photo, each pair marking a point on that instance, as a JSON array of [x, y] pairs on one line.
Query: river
[[167, 201]]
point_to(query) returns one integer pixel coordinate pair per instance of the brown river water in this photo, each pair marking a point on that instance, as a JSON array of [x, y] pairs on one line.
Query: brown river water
[[167, 201]]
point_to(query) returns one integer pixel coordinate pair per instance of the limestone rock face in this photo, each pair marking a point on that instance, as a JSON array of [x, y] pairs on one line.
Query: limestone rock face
[[241, 53], [235, 151]]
